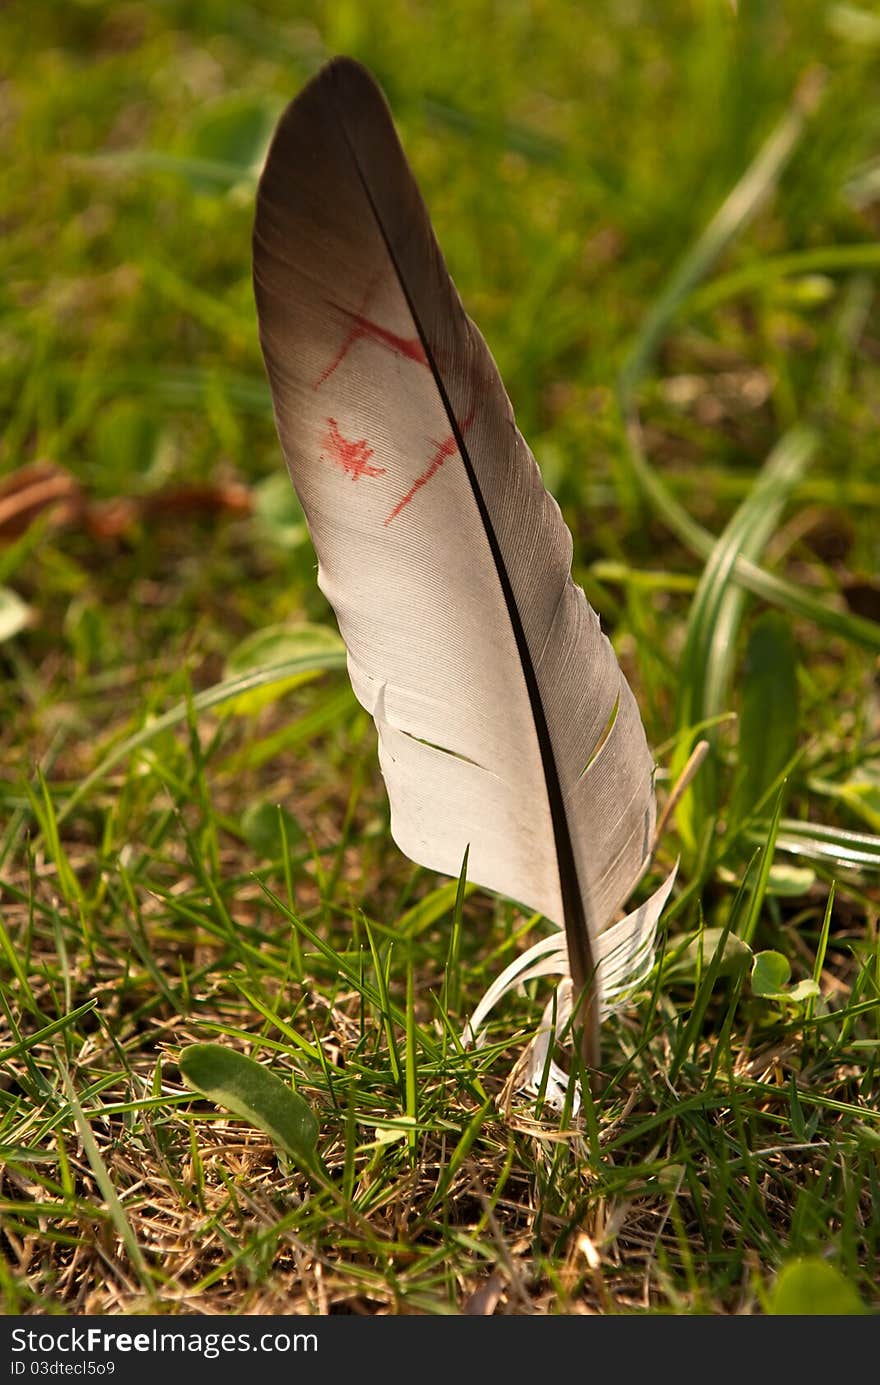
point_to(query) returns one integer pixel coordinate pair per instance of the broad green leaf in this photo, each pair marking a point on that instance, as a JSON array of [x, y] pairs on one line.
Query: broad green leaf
[[277, 644], [14, 613], [807, 989], [768, 710], [811, 1287], [249, 1090], [771, 973], [807, 291], [279, 511], [262, 829], [695, 957], [855, 23], [234, 133], [790, 882]]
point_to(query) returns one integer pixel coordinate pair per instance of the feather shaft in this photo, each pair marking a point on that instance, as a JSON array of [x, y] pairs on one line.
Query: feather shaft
[[577, 932]]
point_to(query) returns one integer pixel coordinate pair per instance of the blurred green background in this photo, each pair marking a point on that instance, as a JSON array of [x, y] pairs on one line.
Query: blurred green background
[[570, 156]]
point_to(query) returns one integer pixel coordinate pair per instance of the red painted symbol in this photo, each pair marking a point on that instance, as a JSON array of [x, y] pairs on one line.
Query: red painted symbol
[[447, 448], [353, 456], [362, 328]]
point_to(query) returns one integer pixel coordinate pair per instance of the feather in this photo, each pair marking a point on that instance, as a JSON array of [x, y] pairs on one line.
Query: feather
[[505, 724]]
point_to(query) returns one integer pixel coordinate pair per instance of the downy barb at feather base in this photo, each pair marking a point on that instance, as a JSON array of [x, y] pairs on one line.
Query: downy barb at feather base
[[505, 723]]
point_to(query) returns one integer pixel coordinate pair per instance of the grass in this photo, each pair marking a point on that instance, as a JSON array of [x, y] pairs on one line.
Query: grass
[[665, 222]]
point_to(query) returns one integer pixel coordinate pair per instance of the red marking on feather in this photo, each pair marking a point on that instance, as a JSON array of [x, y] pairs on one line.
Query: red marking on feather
[[363, 328], [352, 456], [447, 448]]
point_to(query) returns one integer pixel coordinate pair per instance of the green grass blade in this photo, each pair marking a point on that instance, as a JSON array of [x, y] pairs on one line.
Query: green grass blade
[[769, 715], [821, 949], [386, 1009], [105, 1184], [46, 1032], [756, 902], [411, 1060], [706, 986], [820, 259], [778, 591], [735, 213], [451, 996], [716, 611], [460, 1153], [202, 702], [818, 842]]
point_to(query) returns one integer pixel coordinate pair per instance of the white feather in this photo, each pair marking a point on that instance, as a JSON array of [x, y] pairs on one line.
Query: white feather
[[505, 724]]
